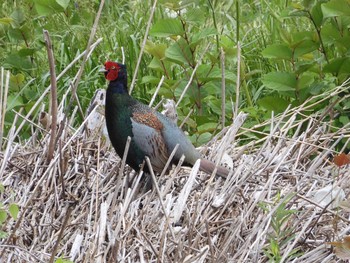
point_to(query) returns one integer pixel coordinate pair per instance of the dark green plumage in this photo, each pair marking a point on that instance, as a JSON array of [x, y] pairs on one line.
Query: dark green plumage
[[152, 134], [119, 126]]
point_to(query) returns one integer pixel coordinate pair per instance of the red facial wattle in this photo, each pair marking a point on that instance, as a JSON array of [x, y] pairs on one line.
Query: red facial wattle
[[112, 69]]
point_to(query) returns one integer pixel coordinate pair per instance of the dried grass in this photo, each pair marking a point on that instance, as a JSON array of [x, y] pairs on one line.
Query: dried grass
[[83, 207]]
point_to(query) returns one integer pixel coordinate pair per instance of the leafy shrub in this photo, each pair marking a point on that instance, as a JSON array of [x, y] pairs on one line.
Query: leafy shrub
[[289, 52]]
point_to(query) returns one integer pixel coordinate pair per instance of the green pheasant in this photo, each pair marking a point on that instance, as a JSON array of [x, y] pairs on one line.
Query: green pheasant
[[152, 134]]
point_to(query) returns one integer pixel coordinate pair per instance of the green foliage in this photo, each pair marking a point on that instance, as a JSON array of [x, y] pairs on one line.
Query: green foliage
[[14, 209], [166, 28], [6, 212], [312, 55], [62, 260], [289, 51], [186, 45], [280, 81], [282, 233]]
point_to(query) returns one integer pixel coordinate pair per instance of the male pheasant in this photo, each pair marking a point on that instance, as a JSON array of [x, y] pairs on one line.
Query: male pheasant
[[152, 134]]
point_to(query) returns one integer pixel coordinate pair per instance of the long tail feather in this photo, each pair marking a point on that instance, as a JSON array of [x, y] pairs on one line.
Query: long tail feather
[[209, 166]]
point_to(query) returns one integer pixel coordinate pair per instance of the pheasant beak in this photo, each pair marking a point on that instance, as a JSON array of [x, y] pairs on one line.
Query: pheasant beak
[[102, 70]]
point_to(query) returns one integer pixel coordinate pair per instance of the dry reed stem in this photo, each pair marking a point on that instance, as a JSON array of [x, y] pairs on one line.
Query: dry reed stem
[[53, 98], [156, 91], [3, 101], [149, 23], [40, 99], [88, 49], [238, 81], [192, 76], [223, 89]]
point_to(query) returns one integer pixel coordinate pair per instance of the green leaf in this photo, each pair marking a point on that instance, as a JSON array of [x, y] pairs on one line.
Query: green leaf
[[303, 66], [336, 8], [305, 80], [149, 79], [3, 216], [305, 47], [206, 32], [13, 101], [214, 103], [344, 120], [280, 81], [3, 234], [6, 20], [207, 73], [18, 17], [300, 36], [338, 66], [318, 87], [308, 3], [211, 88], [207, 127], [47, 7], [16, 61], [63, 3], [204, 138], [17, 80], [316, 13], [2, 188], [167, 27], [297, 5], [62, 260], [156, 64], [180, 52], [189, 122], [293, 12], [195, 15], [329, 34], [18, 34], [279, 51], [26, 52], [229, 46], [13, 209], [156, 50], [273, 103], [162, 66], [30, 93]]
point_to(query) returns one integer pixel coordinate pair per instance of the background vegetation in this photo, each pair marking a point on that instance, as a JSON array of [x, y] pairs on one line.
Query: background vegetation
[[265, 55], [288, 51]]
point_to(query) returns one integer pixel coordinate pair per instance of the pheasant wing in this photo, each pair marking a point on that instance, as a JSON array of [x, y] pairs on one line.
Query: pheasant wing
[[146, 129]]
